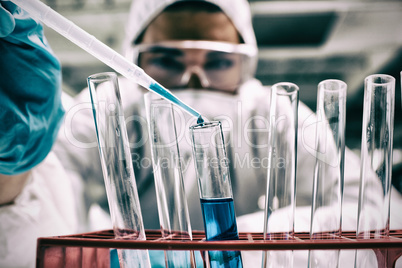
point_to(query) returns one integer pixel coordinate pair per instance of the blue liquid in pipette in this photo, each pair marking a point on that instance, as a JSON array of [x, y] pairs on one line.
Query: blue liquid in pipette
[[200, 120], [169, 96], [220, 224]]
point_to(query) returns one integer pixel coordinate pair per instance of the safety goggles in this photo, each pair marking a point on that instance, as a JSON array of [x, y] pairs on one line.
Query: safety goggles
[[213, 65]]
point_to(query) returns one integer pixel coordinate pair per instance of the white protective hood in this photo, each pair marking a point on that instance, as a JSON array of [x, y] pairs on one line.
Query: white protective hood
[[142, 12]]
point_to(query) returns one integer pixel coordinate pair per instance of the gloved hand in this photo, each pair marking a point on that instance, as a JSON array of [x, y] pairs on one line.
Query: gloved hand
[[7, 22], [30, 92]]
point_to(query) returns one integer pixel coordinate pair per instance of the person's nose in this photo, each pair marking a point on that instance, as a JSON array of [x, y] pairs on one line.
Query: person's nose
[[194, 82], [196, 78]]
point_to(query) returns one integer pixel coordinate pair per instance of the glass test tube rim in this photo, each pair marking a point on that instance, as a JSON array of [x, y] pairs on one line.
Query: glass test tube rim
[[340, 85], [293, 88], [206, 125], [388, 79], [101, 77]]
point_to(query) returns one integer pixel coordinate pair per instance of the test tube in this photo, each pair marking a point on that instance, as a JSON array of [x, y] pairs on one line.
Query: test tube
[[212, 169], [174, 218], [118, 172], [326, 210], [376, 162], [281, 174]]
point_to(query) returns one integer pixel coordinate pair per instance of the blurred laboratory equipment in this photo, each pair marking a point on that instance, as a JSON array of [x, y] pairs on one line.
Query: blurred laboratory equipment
[[216, 197], [376, 162], [281, 174], [326, 210], [117, 166], [174, 218]]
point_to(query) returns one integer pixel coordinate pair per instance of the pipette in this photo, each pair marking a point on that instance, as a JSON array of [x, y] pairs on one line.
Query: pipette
[[99, 50]]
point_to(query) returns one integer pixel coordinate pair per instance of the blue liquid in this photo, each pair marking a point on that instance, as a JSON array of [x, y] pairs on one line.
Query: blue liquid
[[220, 224], [200, 120], [163, 92]]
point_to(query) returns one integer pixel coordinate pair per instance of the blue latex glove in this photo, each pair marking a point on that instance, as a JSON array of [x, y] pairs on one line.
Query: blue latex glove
[[7, 22], [30, 92]]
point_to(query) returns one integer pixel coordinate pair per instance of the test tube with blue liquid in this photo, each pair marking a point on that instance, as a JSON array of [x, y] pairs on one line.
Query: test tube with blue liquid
[[216, 197]]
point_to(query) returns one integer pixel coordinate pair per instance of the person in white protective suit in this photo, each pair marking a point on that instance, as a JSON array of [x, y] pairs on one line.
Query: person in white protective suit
[[173, 42], [36, 195], [153, 35]]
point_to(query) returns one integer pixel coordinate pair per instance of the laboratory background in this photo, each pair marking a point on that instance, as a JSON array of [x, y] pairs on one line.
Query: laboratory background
[[303, 42]]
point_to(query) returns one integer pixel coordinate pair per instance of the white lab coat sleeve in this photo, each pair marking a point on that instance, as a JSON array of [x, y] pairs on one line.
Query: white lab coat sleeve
[[45, 207], [77, 148], [395, 210], [305, 167], [306, 159], [306, 155]]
